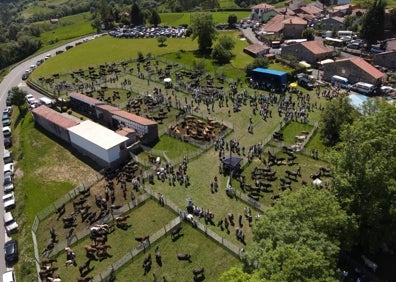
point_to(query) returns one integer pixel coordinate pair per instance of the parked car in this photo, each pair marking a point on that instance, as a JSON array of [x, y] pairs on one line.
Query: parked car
[[8, 110], [9, 201], [10, 223], [6, 121], [9, 168], [11, 251], [9, 276], [8, 183], [29, 98], [7, 157], [305, 82], [7, 142], [7, 131]]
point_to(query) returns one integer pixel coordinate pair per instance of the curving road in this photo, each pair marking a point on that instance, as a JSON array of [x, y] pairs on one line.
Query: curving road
[[12, 79]]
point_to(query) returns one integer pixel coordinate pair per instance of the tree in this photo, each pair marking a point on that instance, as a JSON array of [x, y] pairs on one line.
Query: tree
[[221, 53], [155, 18], [260, 62], [336, 114], [364, 178], [203, 28], [18, 98], [298, 239], [232, 20], [137, 16], [373, 22], [308, 33], [161, 40]]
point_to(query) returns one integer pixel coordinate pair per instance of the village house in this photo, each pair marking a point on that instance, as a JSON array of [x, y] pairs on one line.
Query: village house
[[259, 10], [386, 59], [341, 11], [355, 69], [309, 51], [331, 23], [293, 27], [257, 50]]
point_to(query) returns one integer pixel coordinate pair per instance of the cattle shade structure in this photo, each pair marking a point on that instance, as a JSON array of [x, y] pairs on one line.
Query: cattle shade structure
[[274, 77], [98, 142], [231, 165]]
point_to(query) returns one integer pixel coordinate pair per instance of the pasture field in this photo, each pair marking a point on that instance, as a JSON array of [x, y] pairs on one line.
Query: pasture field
[[148, 218], [201, 170], [173, 148], [68, 28], [204, 253]]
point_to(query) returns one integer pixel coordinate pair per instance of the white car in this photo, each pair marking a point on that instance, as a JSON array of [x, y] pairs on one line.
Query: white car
[[9, 201], [9, 276], [9, 168], [7, 131], [10, 224], [29, 98]]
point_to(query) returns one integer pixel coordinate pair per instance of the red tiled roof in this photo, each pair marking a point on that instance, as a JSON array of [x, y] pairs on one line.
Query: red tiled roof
[[311, 10], [135, 118], [316, 47], [286, 11], [256, 48], [342, 7], [125, 131], [294, 20], [362, 64], [55, 117], [86, 99], [275, 24], [263, 6], [108, 108]]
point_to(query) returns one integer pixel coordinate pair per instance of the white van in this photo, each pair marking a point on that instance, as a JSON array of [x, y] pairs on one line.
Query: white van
[[10, 224], [9, 276]]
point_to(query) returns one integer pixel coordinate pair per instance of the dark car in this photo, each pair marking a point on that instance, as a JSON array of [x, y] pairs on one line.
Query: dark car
[[11, 251], [7, 142], [304, 82]]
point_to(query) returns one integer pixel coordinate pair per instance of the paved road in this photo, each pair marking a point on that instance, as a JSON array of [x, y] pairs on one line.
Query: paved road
[[14, 78]]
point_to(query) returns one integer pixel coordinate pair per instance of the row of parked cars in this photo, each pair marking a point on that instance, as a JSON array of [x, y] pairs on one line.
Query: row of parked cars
[[9, 203], [149, 32]]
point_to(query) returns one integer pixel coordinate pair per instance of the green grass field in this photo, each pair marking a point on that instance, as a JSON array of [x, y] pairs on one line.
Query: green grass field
[[67, 29], [41, 158], [148, 218], [204, 253]]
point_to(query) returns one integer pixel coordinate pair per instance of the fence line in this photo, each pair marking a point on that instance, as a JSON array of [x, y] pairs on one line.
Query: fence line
[[50, 209], [137, 250], [108, 218], [233, 248]]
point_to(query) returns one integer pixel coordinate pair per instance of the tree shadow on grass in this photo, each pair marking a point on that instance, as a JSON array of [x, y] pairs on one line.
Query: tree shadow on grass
[[22, 113]]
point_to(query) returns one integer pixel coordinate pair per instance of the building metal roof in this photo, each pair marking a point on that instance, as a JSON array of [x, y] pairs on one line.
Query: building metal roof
[[60, 120], [274, 72], [134, 118], [97, 134], [86, 99]]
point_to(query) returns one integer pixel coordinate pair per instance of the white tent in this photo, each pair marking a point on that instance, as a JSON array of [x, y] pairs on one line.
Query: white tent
[[168, 79]]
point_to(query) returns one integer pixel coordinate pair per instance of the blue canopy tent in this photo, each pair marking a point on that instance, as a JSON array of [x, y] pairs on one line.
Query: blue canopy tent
[[268, 79]]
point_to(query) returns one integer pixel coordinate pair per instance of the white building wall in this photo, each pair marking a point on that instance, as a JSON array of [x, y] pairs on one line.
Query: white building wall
[[108, 156]]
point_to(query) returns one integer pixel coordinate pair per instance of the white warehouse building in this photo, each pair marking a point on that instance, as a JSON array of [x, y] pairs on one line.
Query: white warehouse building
[[101, 144]]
